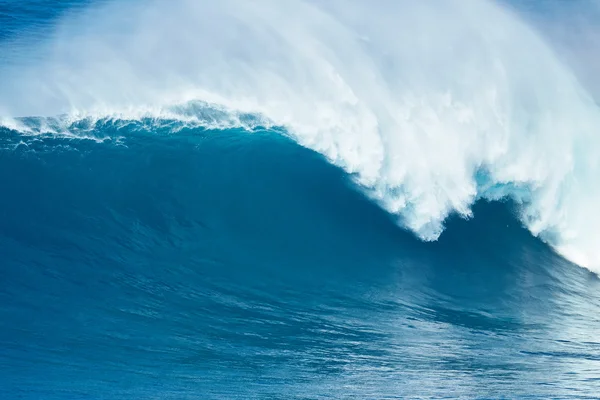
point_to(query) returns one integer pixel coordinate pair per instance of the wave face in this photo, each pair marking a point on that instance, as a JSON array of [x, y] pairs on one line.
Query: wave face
[[143, 263], [300, 199]]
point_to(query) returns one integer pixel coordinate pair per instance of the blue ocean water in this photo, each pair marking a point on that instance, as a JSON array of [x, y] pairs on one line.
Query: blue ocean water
[[159, 257]]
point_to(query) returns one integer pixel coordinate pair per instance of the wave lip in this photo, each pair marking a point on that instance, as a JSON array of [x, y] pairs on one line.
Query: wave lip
[[464, 88]]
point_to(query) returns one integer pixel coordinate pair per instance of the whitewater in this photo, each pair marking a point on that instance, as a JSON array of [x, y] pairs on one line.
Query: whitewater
[[430, 106]]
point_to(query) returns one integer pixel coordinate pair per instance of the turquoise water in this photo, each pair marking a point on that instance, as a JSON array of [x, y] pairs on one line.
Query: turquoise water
[[154, 258]]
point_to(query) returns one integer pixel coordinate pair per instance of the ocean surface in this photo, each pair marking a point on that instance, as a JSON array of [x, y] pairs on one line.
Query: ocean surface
[[299, 200]]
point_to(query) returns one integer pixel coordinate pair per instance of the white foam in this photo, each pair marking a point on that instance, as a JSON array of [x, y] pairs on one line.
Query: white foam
[[415, 98], [13, 124]]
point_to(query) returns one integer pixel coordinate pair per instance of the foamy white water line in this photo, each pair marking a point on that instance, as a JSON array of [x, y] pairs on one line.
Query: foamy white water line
[[415, 98]]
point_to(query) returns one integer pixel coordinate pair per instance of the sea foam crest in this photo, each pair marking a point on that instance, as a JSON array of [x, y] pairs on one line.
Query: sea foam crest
[[419, 100]]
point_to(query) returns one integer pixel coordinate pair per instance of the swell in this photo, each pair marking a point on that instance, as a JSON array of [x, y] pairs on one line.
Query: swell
[[430, 108]]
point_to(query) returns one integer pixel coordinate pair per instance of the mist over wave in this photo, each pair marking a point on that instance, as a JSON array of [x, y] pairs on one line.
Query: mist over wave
[[429, 105]]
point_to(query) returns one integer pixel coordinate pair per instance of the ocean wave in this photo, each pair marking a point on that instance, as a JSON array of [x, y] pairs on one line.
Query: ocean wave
[[430, 107]]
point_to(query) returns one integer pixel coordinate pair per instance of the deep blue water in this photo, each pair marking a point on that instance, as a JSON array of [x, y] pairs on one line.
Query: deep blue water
[[143, 262]]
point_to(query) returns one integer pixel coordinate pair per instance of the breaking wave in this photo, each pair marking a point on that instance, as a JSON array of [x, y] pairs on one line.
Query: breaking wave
[[430, 106]]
